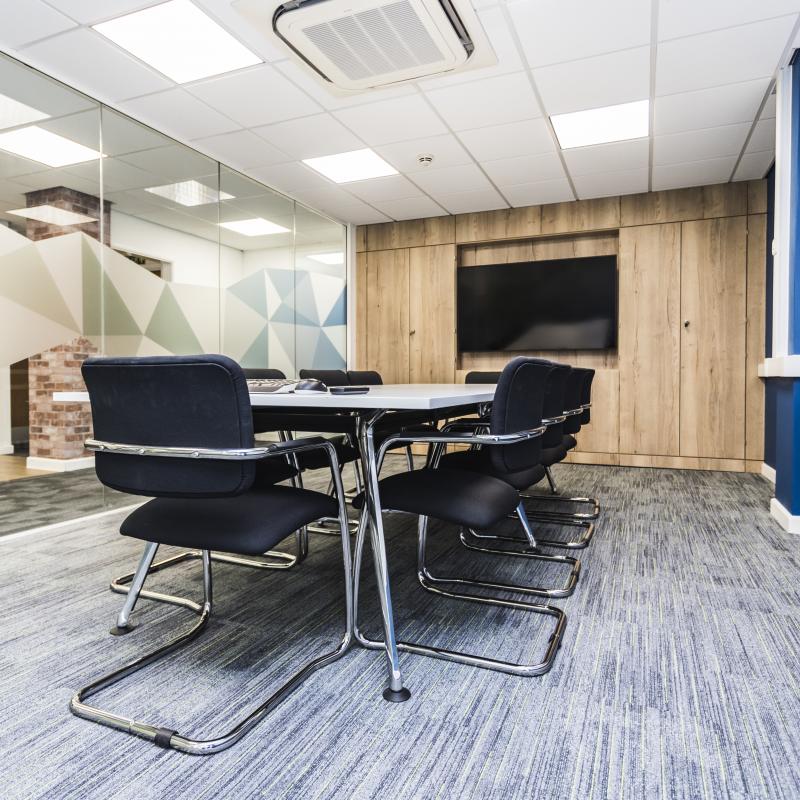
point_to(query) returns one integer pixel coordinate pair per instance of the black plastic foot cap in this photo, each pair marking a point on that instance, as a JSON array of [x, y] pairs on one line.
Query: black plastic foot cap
[[117, 631], [396, 695]]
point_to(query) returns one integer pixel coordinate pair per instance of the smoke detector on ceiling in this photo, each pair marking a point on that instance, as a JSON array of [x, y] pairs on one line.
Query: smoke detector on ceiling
[[357, 45]]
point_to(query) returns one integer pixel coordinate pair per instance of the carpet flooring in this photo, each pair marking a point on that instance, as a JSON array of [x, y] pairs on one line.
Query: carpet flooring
[[678, 678]]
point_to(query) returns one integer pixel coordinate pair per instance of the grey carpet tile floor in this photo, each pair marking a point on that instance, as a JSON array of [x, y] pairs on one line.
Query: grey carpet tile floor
[[677, 680], [46, 499]]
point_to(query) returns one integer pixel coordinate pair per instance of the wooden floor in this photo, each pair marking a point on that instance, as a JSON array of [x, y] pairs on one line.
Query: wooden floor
[[13, 468]]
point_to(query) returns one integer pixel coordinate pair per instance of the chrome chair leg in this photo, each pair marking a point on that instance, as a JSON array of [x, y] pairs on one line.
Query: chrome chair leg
[[410, 458], [124, 625], [511, 668], [532, 552], [171, 739], [582, 541]]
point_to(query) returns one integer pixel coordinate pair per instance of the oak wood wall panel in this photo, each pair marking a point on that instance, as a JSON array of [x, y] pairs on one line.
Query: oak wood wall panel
[[690, 244], [756, 335], [387, 314], [713, 345], [649, 339], [432, 314]]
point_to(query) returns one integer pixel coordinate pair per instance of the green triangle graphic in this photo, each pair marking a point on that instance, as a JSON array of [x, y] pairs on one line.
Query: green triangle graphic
[[118, 320], [92, 290], [170, 328]]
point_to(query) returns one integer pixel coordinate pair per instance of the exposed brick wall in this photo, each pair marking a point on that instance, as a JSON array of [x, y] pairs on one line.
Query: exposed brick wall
[[70, 200], [58, 430]]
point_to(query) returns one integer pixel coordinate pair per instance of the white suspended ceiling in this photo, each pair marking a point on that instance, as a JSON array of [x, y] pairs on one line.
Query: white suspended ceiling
[[706, 67]]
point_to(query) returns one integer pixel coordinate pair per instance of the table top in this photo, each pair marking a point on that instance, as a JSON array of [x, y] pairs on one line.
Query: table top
[[396, 396]]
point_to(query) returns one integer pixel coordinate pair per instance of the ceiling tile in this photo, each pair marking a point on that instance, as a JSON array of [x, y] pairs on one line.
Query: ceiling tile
[[179, 114], [309, 137], [708, 108], [90, 62], [611, 157], [450, 180], [530, 137], [173, 162], [410, 208], [611, 184], [505, 49], [534, 194], [23, 84], [676, 148], [686, 17], [464, 202], [446, 151], [292, 178], [88, 12], [733, 55], [768, 112], [241, 150], [763, 136], [392, 187], [507, 98], [301, 76], [553, 31], [37, 22], [224, 13], [595, 82], [524, 169], [754, 166], [255, 96], [390, 121], [694, 173]]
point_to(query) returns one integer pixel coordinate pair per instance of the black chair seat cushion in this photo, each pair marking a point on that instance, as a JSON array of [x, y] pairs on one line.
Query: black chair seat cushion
[[570, 442], [250, 523], [480, 461], [552, 455], [318, 458], [273, 470], [463, 498]]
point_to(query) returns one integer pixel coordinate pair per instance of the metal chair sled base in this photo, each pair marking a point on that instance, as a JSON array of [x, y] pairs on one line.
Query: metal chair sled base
[[272, 559], [483, 662], [167, 737], [555, 497], [523, 545]]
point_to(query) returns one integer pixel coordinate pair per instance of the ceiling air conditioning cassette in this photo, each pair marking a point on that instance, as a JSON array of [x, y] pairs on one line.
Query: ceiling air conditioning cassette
[[355, 45]]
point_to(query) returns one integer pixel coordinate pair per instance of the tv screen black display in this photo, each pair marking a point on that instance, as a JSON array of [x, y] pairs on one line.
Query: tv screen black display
[[564, 304]]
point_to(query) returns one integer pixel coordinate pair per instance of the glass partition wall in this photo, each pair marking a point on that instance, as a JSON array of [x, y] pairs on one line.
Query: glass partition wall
[[117, 240]]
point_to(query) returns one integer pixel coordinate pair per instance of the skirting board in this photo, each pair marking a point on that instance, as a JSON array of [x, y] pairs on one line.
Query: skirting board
[[768, 472], [6, 449], [58, 464], [787, 521]]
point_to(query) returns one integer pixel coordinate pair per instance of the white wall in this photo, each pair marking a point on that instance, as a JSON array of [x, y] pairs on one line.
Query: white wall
[[193, 260]]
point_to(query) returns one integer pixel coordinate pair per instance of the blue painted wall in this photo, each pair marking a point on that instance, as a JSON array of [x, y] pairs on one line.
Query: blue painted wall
[[787, 484]]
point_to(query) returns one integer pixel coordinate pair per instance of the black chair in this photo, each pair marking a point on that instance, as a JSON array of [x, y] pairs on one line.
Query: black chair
[[179, 429], [562, 381], [258, 374], [476, 500], [330, 377]]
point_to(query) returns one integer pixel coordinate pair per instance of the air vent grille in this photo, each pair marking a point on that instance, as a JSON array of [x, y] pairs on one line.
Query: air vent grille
[[377, 41]]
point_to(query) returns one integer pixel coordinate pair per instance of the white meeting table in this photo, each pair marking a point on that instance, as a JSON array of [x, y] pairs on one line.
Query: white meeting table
[[369, 408]]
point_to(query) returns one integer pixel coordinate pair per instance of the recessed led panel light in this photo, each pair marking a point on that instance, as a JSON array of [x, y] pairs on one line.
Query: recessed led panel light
[[254, 227], [52, 215], [601, 125], [328, 258], [189, 193], [179, 40], [357, 165], [45, 147], [13, 113]]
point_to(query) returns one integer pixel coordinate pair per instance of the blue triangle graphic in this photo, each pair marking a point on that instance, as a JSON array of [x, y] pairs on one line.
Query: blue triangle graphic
[[257, 355], [326, 355], [285, 313], [251, 291], [338, 315], [283, 279]]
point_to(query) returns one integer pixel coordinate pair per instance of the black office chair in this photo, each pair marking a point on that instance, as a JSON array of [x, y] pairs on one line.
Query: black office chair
[[330, 377], [562, 384], [179, 429], [258, 374], [474, 499]]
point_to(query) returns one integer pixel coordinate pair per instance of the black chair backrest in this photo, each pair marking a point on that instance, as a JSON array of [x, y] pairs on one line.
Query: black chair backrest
[[330, 377], [171, 401], [554, 404], [586, 394], [364, 377], [518, 404], [264, 374], [482, 377], [572, 399]]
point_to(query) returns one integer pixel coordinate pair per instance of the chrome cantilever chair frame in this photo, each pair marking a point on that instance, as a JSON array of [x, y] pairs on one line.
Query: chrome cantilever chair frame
[[272, 559], [169, 738], [430, 583], [540, 516]]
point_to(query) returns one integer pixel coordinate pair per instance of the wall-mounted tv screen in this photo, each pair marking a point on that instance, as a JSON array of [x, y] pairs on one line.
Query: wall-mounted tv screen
[[564, 304]]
